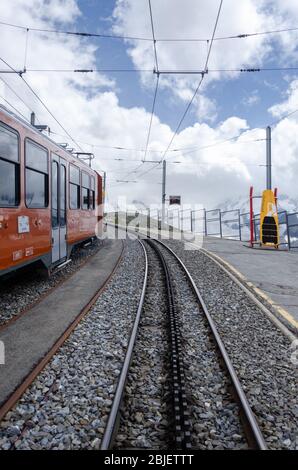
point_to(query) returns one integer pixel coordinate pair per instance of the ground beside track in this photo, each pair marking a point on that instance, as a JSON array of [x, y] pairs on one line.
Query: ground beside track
[[32, 335]]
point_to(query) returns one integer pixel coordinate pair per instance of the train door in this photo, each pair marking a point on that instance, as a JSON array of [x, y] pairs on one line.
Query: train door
[[59, 246]]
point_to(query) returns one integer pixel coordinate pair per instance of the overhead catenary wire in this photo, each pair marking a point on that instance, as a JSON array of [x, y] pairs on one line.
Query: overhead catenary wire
[[153, 36], [149, 129], [151, 117], [199, 84], [43, 104], [250, 69], [14, 108], [197, 88], [141, 38], [17, 95], [26, 48]]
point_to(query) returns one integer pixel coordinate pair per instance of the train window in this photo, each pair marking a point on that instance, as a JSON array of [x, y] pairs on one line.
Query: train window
[[85, 191], [9, 168], [85, 180], [92, 193], [92, 183], [92, 200], [36, 176], [74, 187], [85, 198], [9, 144], [62, 195], [9, 184], [74, 174], [54, 194], [36, 157]]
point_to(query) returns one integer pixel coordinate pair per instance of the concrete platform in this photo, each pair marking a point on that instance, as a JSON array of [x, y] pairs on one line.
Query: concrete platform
[[31, 336], [273, 272]]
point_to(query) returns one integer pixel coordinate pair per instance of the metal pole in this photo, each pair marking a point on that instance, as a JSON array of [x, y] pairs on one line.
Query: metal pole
[[220, 224], [268, 158], [239, 221], [163, 196], [104, 187]]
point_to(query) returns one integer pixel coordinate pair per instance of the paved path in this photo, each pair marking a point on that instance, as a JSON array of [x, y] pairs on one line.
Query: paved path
[[274, 272], [31, 336]]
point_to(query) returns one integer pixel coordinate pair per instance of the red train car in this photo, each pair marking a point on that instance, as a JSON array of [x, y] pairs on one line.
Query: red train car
[[50, 200]]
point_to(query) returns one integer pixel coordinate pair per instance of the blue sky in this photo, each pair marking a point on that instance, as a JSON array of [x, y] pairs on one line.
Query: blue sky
[[231, 96], [115, 109]]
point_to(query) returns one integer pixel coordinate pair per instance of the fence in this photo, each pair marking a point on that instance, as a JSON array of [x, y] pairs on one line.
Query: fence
[[231, 224]]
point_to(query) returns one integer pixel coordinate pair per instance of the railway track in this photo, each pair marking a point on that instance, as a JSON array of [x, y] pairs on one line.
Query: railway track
[[38, 367], [177, 388], [183, 423]]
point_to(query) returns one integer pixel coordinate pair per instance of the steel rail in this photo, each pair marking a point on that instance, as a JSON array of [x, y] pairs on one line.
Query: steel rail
[[255, 434], [180, 406], [8, 404], [113, 420]]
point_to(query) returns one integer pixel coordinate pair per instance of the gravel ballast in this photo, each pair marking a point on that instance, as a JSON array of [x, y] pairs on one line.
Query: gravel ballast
[[259, 351], [144, 418], [21, 289], [214, 414], [68, 404]]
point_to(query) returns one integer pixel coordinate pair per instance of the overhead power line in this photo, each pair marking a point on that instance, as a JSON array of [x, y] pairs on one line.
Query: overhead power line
[[195, 93], [17, 95], [151, 117], [141, 38], [14, 108], [153, 36], [199, 84], [44, 105], [160, 72]]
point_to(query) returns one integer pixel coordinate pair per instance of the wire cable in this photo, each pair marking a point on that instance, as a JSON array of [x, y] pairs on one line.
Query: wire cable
[[151, 117], [15, 109], [198, 86], [153, 36], [18, 96], [26, 48], [139, 38], [160, 72], [44, 105]]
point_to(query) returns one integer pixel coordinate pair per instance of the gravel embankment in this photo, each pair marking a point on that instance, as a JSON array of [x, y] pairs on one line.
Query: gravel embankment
[[68, 404], [260, 353], [24, 287], [214, 414], [144, 421]]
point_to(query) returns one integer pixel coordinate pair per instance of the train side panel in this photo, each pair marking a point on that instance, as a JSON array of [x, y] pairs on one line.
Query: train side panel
[[26, 233]]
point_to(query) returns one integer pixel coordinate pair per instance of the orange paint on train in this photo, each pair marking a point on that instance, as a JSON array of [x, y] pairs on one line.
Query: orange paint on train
[[26, 233]]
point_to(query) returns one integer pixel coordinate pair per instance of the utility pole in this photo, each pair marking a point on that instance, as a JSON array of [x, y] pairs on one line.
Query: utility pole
[[163, 195], [268, 159]]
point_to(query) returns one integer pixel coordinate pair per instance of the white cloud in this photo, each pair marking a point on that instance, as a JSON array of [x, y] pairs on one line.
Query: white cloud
[[252, 99], [176, 19], [88, 105], [290, 104]]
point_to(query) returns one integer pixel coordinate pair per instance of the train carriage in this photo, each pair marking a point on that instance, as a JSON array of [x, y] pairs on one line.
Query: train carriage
[[50, 200]]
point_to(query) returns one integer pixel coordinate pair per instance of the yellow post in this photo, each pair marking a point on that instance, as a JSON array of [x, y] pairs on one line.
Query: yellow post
[[269, 228]]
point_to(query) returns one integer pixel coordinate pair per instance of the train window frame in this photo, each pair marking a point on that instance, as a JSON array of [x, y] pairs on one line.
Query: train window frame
[[78, 186], [55, 191], [63, 210], [85, 173], [47, 179], [17, 166], [92, 193]]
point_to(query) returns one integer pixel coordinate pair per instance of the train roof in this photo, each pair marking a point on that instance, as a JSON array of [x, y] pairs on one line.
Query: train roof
[[36, 131]]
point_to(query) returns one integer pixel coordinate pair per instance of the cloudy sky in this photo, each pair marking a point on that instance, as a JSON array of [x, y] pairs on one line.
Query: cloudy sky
[[112, 108]]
